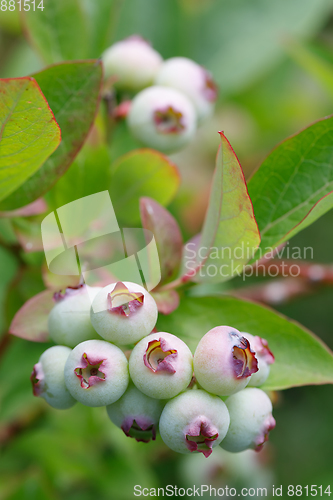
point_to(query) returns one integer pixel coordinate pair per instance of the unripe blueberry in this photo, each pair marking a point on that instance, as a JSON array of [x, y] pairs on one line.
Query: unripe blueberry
[[162, 118], [48, 378], [96, 373], [223, 361], [132, 62], [69, 320], [194, 421], [264, 356], [136, 414], [123, 313], [191, 79], [161, 365], [250, 420]]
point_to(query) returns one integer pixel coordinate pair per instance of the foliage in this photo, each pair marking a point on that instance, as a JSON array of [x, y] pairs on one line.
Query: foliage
[[245, 45]]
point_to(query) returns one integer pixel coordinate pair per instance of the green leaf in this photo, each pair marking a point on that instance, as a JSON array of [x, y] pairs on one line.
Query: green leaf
[[89, 174], [167, 234], [230, 233], [143, 172], [300, 357], [29, 132], [291, 181], [8, 269], [70, 29], [72, 91]]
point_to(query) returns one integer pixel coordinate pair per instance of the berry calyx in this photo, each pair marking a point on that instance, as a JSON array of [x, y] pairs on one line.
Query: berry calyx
[[96, 373], [161, 365], [264, 356]]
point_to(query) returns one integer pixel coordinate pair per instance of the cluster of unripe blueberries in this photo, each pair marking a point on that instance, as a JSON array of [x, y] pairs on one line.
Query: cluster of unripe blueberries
[[172, 97], [196, 402]]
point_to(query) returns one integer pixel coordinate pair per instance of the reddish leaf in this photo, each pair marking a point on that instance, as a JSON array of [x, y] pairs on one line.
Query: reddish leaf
[[167, 301], [167, 234], [30, 322]]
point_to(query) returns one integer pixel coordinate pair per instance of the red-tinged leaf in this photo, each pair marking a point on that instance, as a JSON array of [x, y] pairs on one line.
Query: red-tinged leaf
[[167, 234], [230, 233], [141, 173], [29, 132], [30, 322], [72, 90], [35, 208], [167, 301]]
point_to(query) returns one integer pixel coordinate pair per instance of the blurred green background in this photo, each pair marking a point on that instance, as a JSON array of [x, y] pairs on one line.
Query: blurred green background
[[273, 61]]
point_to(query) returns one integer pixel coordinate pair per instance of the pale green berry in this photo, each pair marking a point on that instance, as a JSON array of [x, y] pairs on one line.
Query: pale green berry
[[161, 365], [251, 420], [264, 356], [48, 378], [132, 62], [123, 313], [96, 373], [223, 361], [191, 79], [194, 421], [162, 118], [136, 414], [69, 320]]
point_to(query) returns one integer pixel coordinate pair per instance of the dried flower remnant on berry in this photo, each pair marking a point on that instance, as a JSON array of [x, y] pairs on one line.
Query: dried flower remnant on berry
[[90, 371], [124, 302], [69, 291], [140, 429], [36, 378], [168, 120], [244, 360], [200, 436], [210, 88], [159, 356]]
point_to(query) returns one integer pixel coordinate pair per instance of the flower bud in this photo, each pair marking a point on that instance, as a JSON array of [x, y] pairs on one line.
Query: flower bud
[[223, 361], [136, 414], [132, 62], [251, 420], [48, 378], [123, 313], [162, 118], [161, 365], [264, 356], [69, 321], [194, 421], [96, 373], [191, 79]]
